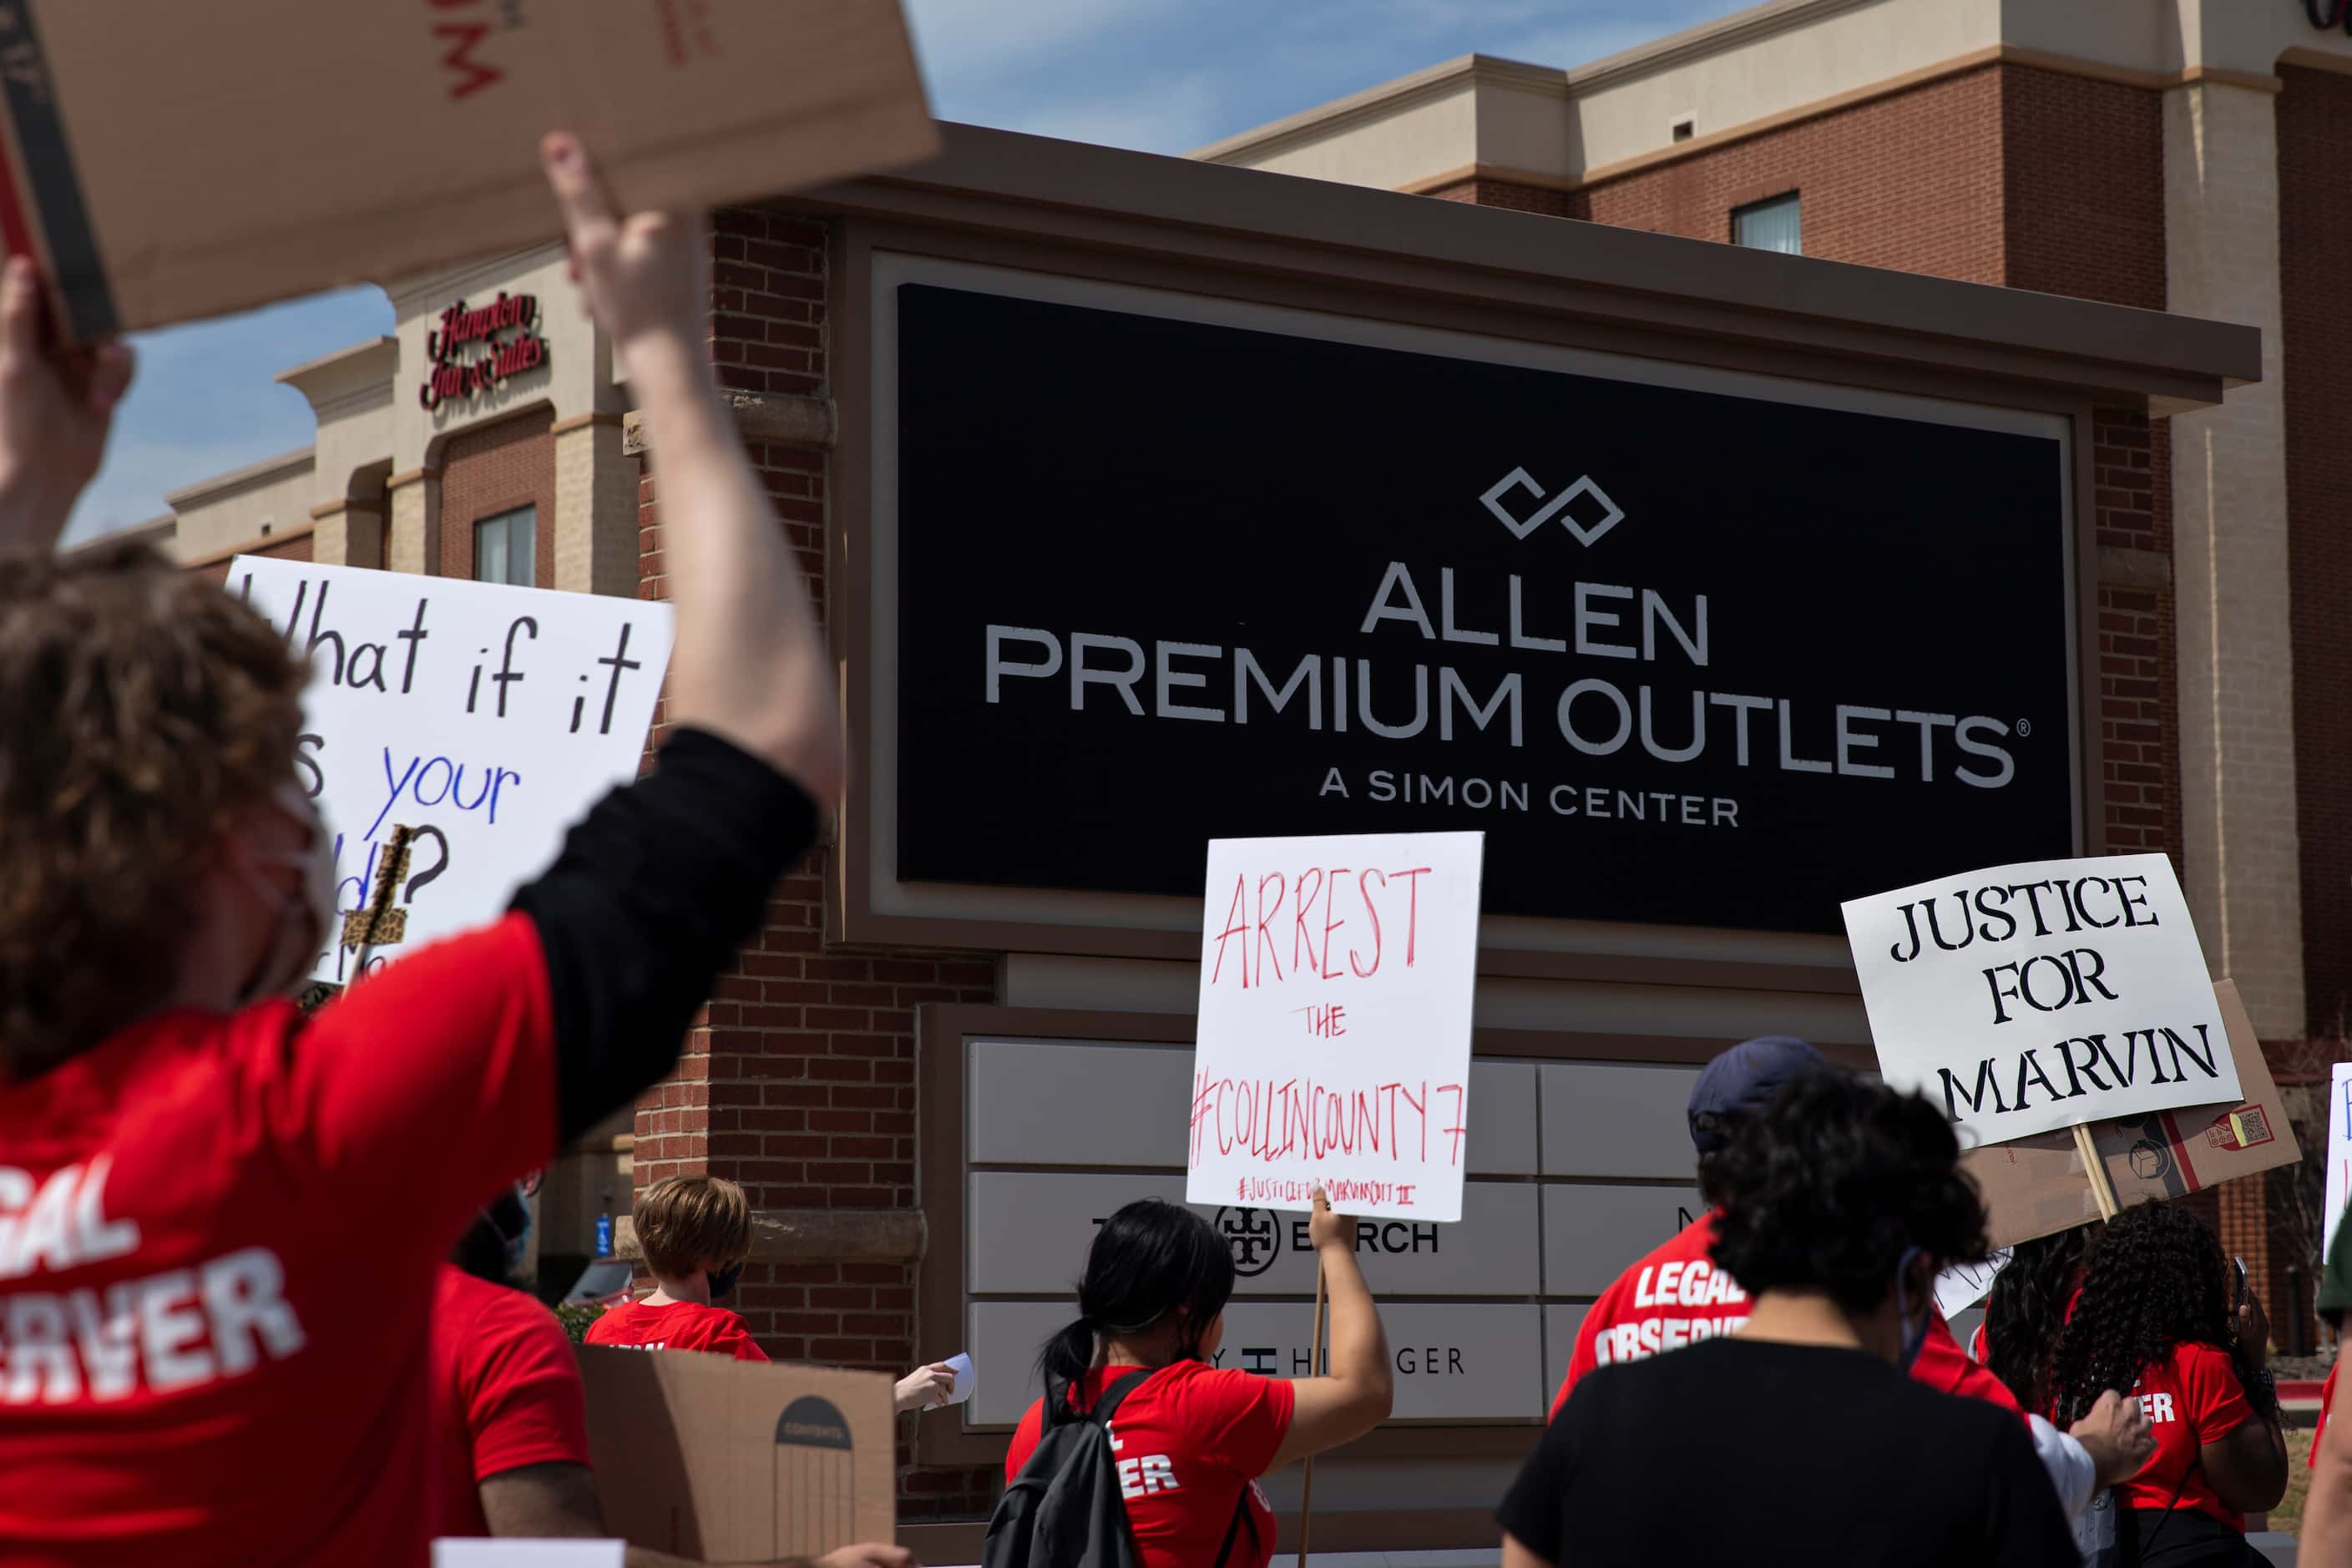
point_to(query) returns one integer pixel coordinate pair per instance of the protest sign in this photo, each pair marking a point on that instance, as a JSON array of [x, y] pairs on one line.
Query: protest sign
[[459, 1552], [488, 719], [732, 1461], [2030, 997], [1334, 1038], [178, 161], [1963, 1285], [2340, 1154], [2033, 1186]]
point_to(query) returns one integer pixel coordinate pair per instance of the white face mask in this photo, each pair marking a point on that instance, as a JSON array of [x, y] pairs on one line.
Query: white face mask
[[305, 918]]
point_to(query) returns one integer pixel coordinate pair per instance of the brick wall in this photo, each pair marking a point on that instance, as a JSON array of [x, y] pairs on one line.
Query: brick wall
[[495, 469], [2315, 134], [800, 1081], [1911, 181], [2082, 187]]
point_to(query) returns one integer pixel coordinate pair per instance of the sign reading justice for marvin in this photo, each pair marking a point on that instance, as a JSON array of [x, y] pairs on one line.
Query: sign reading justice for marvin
[[1334, 1043], [487, 717], [2028, 998]]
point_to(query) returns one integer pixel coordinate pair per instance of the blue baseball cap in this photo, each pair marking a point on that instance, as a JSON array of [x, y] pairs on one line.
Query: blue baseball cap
[[1742, 1082]]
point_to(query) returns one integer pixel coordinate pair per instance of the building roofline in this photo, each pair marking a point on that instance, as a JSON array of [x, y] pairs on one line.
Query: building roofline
[[1385, 99], [219, 484], [1100, 197], [1720, 35], [167, 523], [337, 359]]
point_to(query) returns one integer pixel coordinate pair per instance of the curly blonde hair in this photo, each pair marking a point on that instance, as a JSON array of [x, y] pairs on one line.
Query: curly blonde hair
[[145, 707]]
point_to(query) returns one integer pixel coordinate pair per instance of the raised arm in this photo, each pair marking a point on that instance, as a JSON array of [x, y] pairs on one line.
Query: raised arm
[[1356, 1395], [56, 409], [748, 665]]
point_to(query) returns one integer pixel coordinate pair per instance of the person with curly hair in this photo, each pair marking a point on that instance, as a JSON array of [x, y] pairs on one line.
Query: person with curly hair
[[1841, 1203], [220, 1218], [2027, 1312], [2161, 1314]]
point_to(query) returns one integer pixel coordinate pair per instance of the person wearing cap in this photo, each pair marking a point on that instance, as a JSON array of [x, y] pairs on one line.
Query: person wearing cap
[[1677, 1296]]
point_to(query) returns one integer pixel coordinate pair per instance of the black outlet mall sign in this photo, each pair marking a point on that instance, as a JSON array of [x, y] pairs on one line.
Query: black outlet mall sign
[[1687, 656]]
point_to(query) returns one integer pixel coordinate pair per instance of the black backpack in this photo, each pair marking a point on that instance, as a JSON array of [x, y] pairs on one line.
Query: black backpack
[[1064, 1510]]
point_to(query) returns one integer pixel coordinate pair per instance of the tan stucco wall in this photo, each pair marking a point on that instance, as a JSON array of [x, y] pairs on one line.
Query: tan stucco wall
[[277, 500]]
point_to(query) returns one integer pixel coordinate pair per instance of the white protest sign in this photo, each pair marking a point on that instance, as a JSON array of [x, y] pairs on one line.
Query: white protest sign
[[487, 717], [2031, 997], [2340, 1154], [452, 1551], [1334, 1041], [1963, 1285]]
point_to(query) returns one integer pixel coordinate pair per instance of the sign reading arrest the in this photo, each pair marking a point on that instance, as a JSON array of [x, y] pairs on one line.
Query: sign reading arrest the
[[1334, 1043], [1689, 651], [2028, 998]]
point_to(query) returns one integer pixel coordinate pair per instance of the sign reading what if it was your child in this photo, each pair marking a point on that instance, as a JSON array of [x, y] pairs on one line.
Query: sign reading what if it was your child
[[2029, 998]]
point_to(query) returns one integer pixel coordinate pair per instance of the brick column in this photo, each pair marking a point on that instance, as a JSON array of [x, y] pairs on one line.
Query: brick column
[[595, 507], [413, 541], [2243, 870]]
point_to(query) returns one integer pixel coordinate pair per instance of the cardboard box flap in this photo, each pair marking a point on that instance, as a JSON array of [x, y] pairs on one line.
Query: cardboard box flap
[[731, 1461], [178, 161]]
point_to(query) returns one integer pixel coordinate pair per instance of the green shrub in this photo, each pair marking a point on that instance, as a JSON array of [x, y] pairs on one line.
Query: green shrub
[[576, 1317]]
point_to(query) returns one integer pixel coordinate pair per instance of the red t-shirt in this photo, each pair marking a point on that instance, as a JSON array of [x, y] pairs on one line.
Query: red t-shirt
[[506, 1394], [1676, 1297], [1673, 1297], [2193, 1398], [217, 1241], [1189, 1438], [681, 1326]]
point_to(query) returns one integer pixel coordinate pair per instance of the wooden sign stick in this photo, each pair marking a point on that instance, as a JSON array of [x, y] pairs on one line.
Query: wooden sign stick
[[2101, 1188], [1314, 1369]]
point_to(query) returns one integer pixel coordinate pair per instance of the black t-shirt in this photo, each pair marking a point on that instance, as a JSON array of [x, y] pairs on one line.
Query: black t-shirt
[[1735, 1451]]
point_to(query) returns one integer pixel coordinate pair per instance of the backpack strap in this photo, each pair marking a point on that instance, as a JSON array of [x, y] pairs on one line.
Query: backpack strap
[[1241, 1515], [1057, 1399]]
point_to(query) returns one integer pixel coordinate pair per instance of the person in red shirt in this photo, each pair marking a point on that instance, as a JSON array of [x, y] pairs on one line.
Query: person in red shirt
[[2155, 1318], [509, 1416], [219, 1240], [1193, 1437], [1677, 1296], [696, 1232]]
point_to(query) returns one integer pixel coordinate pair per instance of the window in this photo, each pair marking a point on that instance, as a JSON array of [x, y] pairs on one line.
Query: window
[[506, 548], [1684, 129], [1769, 224]]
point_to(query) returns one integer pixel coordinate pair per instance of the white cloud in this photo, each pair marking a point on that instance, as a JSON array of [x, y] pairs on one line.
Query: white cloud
[[1169, 116]]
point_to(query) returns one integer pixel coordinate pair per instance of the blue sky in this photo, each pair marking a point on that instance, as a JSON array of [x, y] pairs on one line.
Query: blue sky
[[1162, 76]]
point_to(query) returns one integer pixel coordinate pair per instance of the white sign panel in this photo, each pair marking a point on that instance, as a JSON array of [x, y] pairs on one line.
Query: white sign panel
[[2339, 1154], [1963, 1285], [488, 719], [1334, 1047], [2028, 998]]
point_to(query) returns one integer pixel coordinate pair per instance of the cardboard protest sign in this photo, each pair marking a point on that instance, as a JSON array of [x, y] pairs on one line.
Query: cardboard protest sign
[[2035, 996], [177, 161], [2033, 1186], [488, 719], [1334, 1041], [2340, 1154], [730, 1462]]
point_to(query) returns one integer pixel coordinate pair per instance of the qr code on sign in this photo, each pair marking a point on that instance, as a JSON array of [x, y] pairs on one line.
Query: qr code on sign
[[2241, 1128]]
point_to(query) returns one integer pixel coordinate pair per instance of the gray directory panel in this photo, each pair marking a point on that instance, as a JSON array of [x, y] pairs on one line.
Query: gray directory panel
[[1466, 1362], [1606, 1120], [1029, 1231], [1592, 1231], [1561, 1323]]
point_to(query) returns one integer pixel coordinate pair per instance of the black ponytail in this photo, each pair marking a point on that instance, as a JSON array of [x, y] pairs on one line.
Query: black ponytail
[[2027, 1312], [1150, 1258]]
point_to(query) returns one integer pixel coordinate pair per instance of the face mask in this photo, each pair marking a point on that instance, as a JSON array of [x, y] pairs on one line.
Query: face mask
[[1915, 1334], [723, 1282], [514, 1213], [304, 917]]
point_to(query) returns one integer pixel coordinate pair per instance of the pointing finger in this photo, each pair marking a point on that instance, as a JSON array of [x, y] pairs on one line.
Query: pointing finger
[[580, 195]]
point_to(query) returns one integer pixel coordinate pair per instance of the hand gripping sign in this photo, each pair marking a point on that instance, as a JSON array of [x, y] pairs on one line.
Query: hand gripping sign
[[1334, 1043], [2035, 997]]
